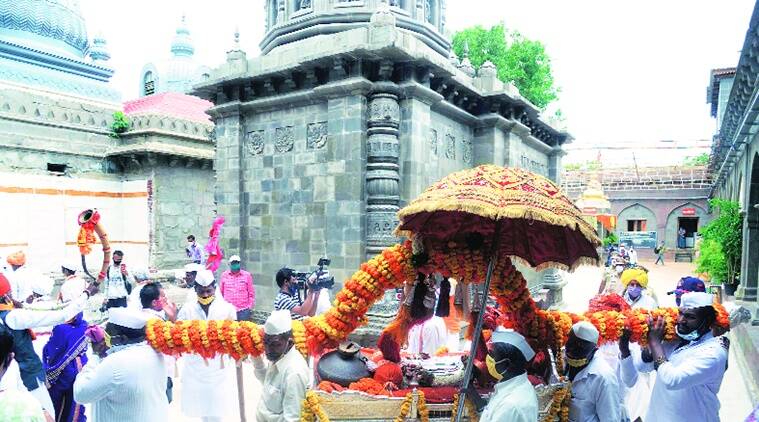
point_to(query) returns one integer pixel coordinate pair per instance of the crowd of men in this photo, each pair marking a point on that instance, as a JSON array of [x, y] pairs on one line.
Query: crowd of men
[[122, 378]]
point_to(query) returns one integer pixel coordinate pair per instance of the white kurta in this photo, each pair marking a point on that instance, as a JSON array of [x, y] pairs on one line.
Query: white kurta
[[513, 401], [284, 384], [128, 385], [21, 282], [428, 337], [644, 301], [595, 394], [686, 386], [209, 386]]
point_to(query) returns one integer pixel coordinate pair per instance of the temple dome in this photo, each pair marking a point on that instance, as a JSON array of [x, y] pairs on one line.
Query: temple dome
[[54, 26], [179, 72]]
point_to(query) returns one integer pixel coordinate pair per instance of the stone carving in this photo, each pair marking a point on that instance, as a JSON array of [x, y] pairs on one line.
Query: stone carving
[[284, 138], [384, 109], [395, 3], [255, 142], [433, 141], [305, 4], [428, 11], [467, 146], [316, 135], [450, 146]]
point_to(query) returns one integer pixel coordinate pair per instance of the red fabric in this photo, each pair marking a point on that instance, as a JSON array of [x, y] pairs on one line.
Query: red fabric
[[213, 249], [389, 347], [5, 285], [389, 372], [431, 394]]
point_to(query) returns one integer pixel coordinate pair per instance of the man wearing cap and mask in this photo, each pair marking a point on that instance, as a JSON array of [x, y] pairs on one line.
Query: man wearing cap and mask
[[208, 385], [514, 398], [285, 379], [595, 389], [636, 293], [129, 384], [689, 371], [236, 286], [20, 322], [19, 277]]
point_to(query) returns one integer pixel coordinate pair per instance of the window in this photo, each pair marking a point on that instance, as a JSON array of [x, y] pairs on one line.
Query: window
[[636, 225], [56, 168], [148, 83]]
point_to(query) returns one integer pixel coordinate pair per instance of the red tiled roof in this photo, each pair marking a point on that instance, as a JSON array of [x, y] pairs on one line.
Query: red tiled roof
[[171, 104]]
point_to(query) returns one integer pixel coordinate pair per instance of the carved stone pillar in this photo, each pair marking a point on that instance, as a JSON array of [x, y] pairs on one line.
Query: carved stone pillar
[[747, 289], [383, 191]]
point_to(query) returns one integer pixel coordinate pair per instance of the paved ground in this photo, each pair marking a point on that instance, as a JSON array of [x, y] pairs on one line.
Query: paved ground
[[584, 283]]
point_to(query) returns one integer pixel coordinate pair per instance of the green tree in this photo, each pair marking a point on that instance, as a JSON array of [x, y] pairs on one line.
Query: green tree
[[697, 160], [720, 249], [519, 60]]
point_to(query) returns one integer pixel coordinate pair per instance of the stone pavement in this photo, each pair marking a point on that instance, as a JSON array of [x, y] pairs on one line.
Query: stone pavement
[[583, 285]]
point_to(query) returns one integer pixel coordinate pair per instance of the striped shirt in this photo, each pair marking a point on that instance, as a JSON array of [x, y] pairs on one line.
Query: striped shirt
[[287, 301]]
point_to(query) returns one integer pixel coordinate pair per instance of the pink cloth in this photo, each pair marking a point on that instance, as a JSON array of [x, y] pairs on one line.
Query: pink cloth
[[213, 249], [238, 289]]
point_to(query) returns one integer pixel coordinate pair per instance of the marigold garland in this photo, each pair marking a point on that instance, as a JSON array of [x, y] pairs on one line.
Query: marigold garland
[[312, 409], [424, 413], [560, 399], [471, 409]]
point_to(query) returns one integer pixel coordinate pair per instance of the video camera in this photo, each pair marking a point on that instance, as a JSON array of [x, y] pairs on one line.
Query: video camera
[[323, 279]]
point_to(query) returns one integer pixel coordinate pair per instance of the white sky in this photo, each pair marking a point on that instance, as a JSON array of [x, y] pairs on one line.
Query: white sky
[[628, 71]]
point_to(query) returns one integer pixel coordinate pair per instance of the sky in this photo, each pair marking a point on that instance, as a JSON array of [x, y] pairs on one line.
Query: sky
[[630, 73]]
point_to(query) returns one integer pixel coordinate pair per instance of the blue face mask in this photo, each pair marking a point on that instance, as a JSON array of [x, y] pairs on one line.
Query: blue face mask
[[692, 336], [634, 292]]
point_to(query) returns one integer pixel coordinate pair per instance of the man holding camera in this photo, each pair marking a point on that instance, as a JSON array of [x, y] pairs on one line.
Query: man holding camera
[[288, 298]]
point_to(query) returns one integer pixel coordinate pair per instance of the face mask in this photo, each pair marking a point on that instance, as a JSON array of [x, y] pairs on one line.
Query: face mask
[[491, 363], [293, 289], [235, 266], [634, 292], [577, 363], [205, 301], [692, 336]]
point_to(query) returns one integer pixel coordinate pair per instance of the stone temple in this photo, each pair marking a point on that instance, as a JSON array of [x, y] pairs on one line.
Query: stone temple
[[353, 108]]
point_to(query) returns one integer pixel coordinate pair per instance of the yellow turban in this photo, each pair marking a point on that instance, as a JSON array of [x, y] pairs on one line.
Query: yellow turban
[[17, 258], [635, 274]]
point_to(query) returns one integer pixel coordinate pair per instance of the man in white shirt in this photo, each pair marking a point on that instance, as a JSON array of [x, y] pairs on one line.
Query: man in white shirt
[[285, 379], [141, 278], [20, 278], [129, 384], [72, 284], [514, 398], [116, 280], [689, 372], [595, 389], [208, 385], [155, 304], [20, 322]]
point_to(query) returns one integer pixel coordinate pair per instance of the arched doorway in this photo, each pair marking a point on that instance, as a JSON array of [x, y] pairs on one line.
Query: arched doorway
[[638, 223], [685, 219], [750, 256]]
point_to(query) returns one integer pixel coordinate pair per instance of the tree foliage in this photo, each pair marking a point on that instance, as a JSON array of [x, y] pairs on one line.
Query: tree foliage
[[519, 60], [120, 124], [697, 160], [610, 239], [722, 242]]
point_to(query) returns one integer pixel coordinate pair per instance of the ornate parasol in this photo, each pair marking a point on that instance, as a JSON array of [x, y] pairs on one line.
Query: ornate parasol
[[520, 215]]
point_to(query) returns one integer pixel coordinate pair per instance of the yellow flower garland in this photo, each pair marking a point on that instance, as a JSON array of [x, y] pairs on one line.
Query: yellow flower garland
[[312, 409]]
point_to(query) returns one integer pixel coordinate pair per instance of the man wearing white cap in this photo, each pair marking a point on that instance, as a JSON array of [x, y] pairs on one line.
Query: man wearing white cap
[[129, 384], [285, 379], [208, 385], [72, 284], [514, 398], [689, 371], [236, 286], [595, 389]]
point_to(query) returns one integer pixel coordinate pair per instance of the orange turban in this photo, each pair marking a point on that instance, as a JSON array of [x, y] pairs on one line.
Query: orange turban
[[17, 258], [5, 286]]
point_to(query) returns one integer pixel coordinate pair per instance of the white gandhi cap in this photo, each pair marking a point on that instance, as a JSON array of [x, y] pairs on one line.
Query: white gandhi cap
[[127, 318], [204, 278], [234, 258], [515, 339], [696, 300], [586, 331], [279, 322]]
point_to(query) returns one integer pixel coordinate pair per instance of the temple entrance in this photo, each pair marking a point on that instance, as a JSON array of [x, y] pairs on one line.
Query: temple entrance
[[688, 226]]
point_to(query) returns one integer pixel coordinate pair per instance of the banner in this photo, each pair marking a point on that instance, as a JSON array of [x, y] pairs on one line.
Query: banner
[[638, 239]]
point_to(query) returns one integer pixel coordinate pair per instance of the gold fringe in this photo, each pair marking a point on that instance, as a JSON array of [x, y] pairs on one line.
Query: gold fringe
[[583, 260], [512, 212]]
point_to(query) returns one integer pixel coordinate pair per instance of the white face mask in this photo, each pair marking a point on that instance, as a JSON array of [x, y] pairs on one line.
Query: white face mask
[[692, 336]]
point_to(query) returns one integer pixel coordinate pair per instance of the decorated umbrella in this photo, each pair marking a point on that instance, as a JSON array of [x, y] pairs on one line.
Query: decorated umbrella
[[512, 213]]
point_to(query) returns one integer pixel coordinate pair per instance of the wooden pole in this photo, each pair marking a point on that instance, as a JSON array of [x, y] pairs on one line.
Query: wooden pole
[[240, 391]]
